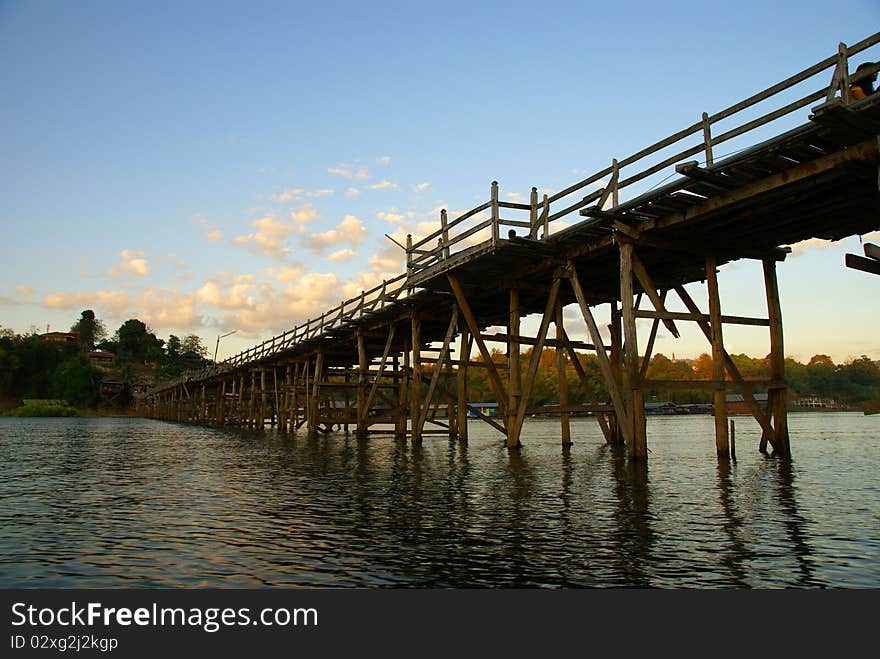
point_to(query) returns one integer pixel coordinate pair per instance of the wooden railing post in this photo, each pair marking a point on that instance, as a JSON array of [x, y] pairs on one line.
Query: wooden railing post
[[444, 245], [840, 77], [408, 255], [545, 214], [707, 138], [615, 182], [495, 213], [533, 213]]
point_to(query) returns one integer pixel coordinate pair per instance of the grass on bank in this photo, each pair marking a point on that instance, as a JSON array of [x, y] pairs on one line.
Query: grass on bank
[[42, 409]]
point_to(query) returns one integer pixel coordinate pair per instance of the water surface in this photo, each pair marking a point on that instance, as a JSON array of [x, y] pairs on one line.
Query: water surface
[[143, 503]]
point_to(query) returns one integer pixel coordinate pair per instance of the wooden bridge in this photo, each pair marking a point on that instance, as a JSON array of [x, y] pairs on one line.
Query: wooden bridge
[[803, 163]]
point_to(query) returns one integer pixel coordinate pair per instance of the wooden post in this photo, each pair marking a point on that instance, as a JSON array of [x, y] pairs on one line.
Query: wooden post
[[220, 418], [533, 213], [461, 384], [615, 358], [615, 177], [451, 418], [707, 139], [415, 409], [563, 379], [732, 441], [362, 412], [409, 254], [545, 216], [313, 398], [403, 394], [722, 442], [513, 359], [261, 420], [445, 234], [495, 213], [638, 449], [778, 393]]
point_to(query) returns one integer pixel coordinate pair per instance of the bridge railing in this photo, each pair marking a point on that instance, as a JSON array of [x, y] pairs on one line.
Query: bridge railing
[[612, 185], [347, 312]]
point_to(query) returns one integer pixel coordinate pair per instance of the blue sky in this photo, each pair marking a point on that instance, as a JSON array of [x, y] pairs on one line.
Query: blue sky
[[218, 166]]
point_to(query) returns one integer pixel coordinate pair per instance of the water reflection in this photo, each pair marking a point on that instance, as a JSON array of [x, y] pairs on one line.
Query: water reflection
[[102, 503]]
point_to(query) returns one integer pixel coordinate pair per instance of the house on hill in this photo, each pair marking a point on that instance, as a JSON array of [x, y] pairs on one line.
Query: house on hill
[[67, 338]]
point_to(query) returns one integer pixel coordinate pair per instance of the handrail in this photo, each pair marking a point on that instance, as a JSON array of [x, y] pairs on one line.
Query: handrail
[[542, 215]]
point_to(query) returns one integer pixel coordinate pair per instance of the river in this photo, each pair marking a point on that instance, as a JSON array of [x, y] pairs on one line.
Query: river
[[126, 503]]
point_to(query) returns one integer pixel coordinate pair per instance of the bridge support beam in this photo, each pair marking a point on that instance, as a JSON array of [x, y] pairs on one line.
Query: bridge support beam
[[719, 397], [778, 394], [565, 430]]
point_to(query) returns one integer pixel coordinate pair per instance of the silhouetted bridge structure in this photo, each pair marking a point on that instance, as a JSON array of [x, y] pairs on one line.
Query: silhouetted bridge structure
[[804, 164]]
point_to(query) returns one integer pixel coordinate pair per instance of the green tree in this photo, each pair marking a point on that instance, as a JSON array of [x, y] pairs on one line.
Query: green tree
[[136, 340], [193, 344], [75, 382], [89, 329], [173, 348]]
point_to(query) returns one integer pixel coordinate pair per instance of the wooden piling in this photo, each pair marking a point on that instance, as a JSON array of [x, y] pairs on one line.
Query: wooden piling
[[565, 429], [719, 396], [778, 393]]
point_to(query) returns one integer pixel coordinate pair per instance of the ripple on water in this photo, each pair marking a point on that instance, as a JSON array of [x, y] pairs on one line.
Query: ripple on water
[[131, 502]]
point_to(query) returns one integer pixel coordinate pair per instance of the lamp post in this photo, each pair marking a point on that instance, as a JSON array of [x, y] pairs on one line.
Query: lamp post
[[217, 347]]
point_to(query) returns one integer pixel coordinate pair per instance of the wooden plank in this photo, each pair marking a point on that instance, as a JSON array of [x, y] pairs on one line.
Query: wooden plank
[[586, 387], [857, 262], [681, 315], [513, 432], [435, 376], [604, 363], [474, 328], [651, 290], [385, 353], [530, 340], [742, 385], [563, 379], [864, 151], [568, 409]]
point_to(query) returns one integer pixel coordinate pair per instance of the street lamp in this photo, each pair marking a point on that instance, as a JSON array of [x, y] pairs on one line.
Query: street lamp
[[217, 347]]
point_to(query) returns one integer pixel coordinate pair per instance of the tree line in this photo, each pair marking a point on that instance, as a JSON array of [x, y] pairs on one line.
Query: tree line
[[33, 367], [850, 383]]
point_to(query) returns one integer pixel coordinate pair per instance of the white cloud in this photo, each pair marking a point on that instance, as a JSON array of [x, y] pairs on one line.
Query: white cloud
[[271, 237], [321, 192], [384, 185], [288, 195], [515, 197], [349, 172], [133, 264], [352, 192], [390, 216], [24, 291], [349, 231], [421, 187], [342, 255], [114, 301], [214, 236], [383, 160]]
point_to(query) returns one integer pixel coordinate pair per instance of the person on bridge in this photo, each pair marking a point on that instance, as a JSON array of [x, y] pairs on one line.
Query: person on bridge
[[864, 87]]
